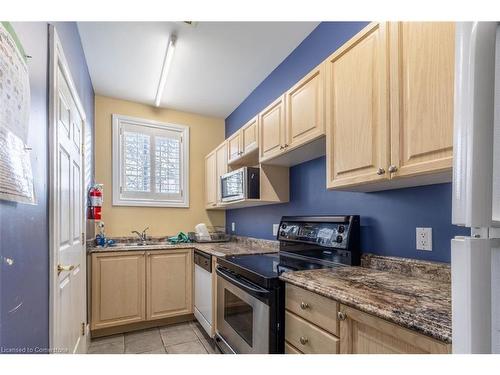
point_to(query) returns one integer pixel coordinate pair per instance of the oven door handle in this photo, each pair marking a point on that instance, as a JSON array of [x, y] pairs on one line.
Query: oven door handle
[[252, 289]]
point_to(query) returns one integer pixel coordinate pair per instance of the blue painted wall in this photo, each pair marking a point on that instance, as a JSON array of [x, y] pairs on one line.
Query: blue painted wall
[[388, 218], [24, 284]]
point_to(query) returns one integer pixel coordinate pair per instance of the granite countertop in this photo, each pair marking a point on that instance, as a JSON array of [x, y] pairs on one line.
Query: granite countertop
[[238, 246], [420, 304]]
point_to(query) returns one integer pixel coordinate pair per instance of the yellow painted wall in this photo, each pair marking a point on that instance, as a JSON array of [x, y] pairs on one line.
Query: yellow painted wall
[[205, 134]]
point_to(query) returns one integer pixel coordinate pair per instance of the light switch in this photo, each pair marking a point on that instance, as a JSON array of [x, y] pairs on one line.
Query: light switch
[[275, 229], [233, 227]]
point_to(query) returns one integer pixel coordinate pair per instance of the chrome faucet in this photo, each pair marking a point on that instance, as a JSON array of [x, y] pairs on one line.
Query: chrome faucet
[[142, 235]]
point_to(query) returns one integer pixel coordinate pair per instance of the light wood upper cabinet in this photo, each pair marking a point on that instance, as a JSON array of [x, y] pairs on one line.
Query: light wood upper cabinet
[[305, 104], [118, 289], [422, 84], [361, 333], [249, 137], [234, 147], [272, 129], [357, 134], [390, 106], [210, 180], [221, 168], [169, 283]]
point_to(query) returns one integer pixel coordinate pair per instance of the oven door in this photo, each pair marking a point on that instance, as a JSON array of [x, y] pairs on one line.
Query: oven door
[[243, 315], [233, 185]]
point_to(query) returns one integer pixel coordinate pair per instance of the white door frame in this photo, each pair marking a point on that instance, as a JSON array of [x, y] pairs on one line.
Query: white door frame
[[58, 59]]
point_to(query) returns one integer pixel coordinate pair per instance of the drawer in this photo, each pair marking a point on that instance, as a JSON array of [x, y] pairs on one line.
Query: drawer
[[308, 338], [317, 309], [289, 349]]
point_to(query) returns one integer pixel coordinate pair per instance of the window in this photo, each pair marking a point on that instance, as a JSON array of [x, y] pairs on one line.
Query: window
[[150, 163]]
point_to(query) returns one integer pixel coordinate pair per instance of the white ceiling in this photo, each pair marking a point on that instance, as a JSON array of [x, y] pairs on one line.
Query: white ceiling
[[215, 67]]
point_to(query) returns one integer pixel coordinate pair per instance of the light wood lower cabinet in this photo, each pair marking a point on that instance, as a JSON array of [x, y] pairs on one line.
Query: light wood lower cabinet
[[118, 289], [318, 325], [362, 333], [137, 286], [169, 283], [307, 337]]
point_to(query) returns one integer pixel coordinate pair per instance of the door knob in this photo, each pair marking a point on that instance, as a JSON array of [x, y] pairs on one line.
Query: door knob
[[303, 340], [392, 168], [341, 315], [304, 305], [380, 171], [61, 268]]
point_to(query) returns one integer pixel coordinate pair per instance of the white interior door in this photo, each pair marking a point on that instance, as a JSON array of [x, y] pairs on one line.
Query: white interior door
[[68, 303]]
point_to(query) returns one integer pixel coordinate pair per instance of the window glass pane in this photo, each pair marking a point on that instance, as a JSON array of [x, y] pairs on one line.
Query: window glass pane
[[136, 164], [168, 165]]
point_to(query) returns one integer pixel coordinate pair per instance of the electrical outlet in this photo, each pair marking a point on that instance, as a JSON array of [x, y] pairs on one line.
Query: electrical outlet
[[424, 239], [275, 229], [233, 227]]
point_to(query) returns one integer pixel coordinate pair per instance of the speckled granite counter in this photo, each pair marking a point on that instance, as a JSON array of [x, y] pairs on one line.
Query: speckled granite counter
[[423, 305], [238, 246]]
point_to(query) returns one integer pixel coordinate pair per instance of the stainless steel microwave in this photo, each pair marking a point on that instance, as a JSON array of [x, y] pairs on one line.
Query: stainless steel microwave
[[243, 183]]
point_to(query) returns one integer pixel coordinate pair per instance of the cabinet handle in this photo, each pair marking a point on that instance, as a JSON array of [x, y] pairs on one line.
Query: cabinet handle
[[281, 147], [341, 315], [380, 171], [286, 145], [393, 168], [303, 340], [304, 305]]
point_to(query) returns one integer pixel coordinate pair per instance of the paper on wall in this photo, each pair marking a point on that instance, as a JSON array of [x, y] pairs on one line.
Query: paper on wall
[[16, 178]]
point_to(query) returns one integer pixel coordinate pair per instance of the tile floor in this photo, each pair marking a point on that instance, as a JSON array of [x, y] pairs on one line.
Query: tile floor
[[183, 338]]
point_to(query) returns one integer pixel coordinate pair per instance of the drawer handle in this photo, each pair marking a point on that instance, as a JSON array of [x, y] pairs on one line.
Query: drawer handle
[[304, 305], [380, 171], [303, 340], [341, 315]]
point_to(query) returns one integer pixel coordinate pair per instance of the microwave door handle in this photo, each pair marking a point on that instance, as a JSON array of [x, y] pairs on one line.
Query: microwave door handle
[[245, 286]]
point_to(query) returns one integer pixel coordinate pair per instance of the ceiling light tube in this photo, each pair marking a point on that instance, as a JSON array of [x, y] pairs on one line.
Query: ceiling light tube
[[164, 70]]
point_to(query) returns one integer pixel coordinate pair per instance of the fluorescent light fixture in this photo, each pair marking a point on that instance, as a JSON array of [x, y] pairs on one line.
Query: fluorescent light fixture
[[164, 70]]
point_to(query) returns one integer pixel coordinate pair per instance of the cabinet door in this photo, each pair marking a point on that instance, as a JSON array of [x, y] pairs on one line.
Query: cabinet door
[[221, 168], [169, 283], [272, 129], [249, 136], [305, 109], [357, 131], [361, 333], [118, 289], [234, 147], [210, 180], [422, 79]]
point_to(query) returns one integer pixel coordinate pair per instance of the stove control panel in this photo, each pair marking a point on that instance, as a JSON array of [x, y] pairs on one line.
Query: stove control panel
[[333, 233]]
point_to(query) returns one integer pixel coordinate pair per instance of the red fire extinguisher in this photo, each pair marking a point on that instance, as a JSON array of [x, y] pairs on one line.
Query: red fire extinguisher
[[95, 202]]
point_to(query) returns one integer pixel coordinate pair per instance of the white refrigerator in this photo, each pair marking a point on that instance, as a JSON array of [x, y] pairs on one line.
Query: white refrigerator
[[475, 259]]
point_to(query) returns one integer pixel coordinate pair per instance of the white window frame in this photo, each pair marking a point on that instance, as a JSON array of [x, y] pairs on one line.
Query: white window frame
[[118, 122]]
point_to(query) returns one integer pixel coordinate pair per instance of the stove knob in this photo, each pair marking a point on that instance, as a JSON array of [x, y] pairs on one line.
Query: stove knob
[[341, 229], [283, 226], [339, 239], [282, 233]]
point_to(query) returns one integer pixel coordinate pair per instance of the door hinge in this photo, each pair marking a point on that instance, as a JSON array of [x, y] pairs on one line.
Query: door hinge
[[83, 328], [121, 189], [83, 238]]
